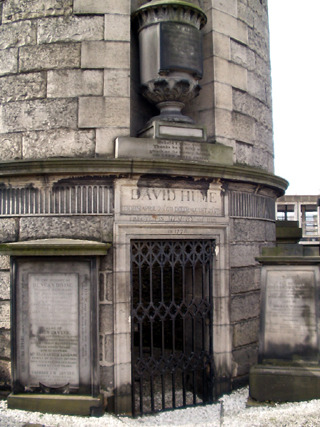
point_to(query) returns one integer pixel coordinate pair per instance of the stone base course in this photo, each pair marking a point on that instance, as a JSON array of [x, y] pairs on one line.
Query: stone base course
[[278, 383]]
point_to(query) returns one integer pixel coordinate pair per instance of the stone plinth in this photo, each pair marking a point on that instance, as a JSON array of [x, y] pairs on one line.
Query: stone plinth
[[174, 131], [284, 383], [57, 404]]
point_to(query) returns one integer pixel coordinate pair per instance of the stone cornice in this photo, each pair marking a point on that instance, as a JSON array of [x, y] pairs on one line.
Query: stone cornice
[[170, 10], [55, 247], [107, 166]]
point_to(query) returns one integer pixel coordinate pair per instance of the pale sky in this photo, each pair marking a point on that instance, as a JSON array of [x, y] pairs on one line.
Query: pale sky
[[295, 63]]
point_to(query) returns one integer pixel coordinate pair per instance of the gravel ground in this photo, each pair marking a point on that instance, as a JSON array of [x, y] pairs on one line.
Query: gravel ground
[[230, 411]]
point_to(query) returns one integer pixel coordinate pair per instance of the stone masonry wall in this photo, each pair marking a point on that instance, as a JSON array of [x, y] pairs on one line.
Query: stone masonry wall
[[8, 233], [23, 227], [64, 77], [247, 237], [65, 92], [106, 327], [235, 101]]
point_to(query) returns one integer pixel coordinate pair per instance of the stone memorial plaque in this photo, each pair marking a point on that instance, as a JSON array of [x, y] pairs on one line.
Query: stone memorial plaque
[[54, 334], [183, 48], [55, 329], [148, 148], [169, 202], [289, 316]]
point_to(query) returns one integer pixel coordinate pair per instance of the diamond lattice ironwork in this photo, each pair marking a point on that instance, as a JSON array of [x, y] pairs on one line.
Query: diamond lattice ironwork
[[172, 323]]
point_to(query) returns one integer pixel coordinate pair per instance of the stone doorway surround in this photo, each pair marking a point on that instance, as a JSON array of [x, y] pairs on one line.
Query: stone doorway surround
[[126, 228]]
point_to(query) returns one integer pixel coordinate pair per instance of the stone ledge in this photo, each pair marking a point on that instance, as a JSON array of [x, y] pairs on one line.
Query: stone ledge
[[289, 260], [57, 404], [279, 383], [55, 247], [107, 166]]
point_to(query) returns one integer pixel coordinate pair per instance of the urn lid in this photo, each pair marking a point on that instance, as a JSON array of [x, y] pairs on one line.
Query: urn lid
[[171, 10]]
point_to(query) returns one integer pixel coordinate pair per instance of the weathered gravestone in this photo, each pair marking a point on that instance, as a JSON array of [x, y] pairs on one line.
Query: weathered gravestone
[[288, 368], [54, 336]]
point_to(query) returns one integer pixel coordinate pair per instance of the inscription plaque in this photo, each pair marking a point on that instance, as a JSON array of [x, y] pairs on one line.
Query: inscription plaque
[[54, 335], [55, 329], [171, 202], [148, 148], [290, 314]]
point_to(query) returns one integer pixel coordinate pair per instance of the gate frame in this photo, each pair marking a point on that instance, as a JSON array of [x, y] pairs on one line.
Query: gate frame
[[124, 232], [205, 288]]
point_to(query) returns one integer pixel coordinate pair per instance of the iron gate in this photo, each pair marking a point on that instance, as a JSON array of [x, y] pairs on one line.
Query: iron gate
[[172, 331]]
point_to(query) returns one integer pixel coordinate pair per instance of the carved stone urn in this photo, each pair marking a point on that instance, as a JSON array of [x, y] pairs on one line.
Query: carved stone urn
[[171, 63]]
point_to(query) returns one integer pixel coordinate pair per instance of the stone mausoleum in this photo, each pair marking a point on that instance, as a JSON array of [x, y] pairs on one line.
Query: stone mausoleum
[[129, 235]]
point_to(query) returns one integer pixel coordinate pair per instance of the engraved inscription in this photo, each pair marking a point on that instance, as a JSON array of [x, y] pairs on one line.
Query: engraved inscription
[[290, 324], [54, 335], [194, 151], [183, 48], [171, 201], [84, 330], [183, 150], [166, 148], [171, 218], [24, 334]]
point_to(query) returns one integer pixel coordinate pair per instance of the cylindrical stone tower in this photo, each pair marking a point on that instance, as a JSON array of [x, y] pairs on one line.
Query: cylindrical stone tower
[[77, 184]]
